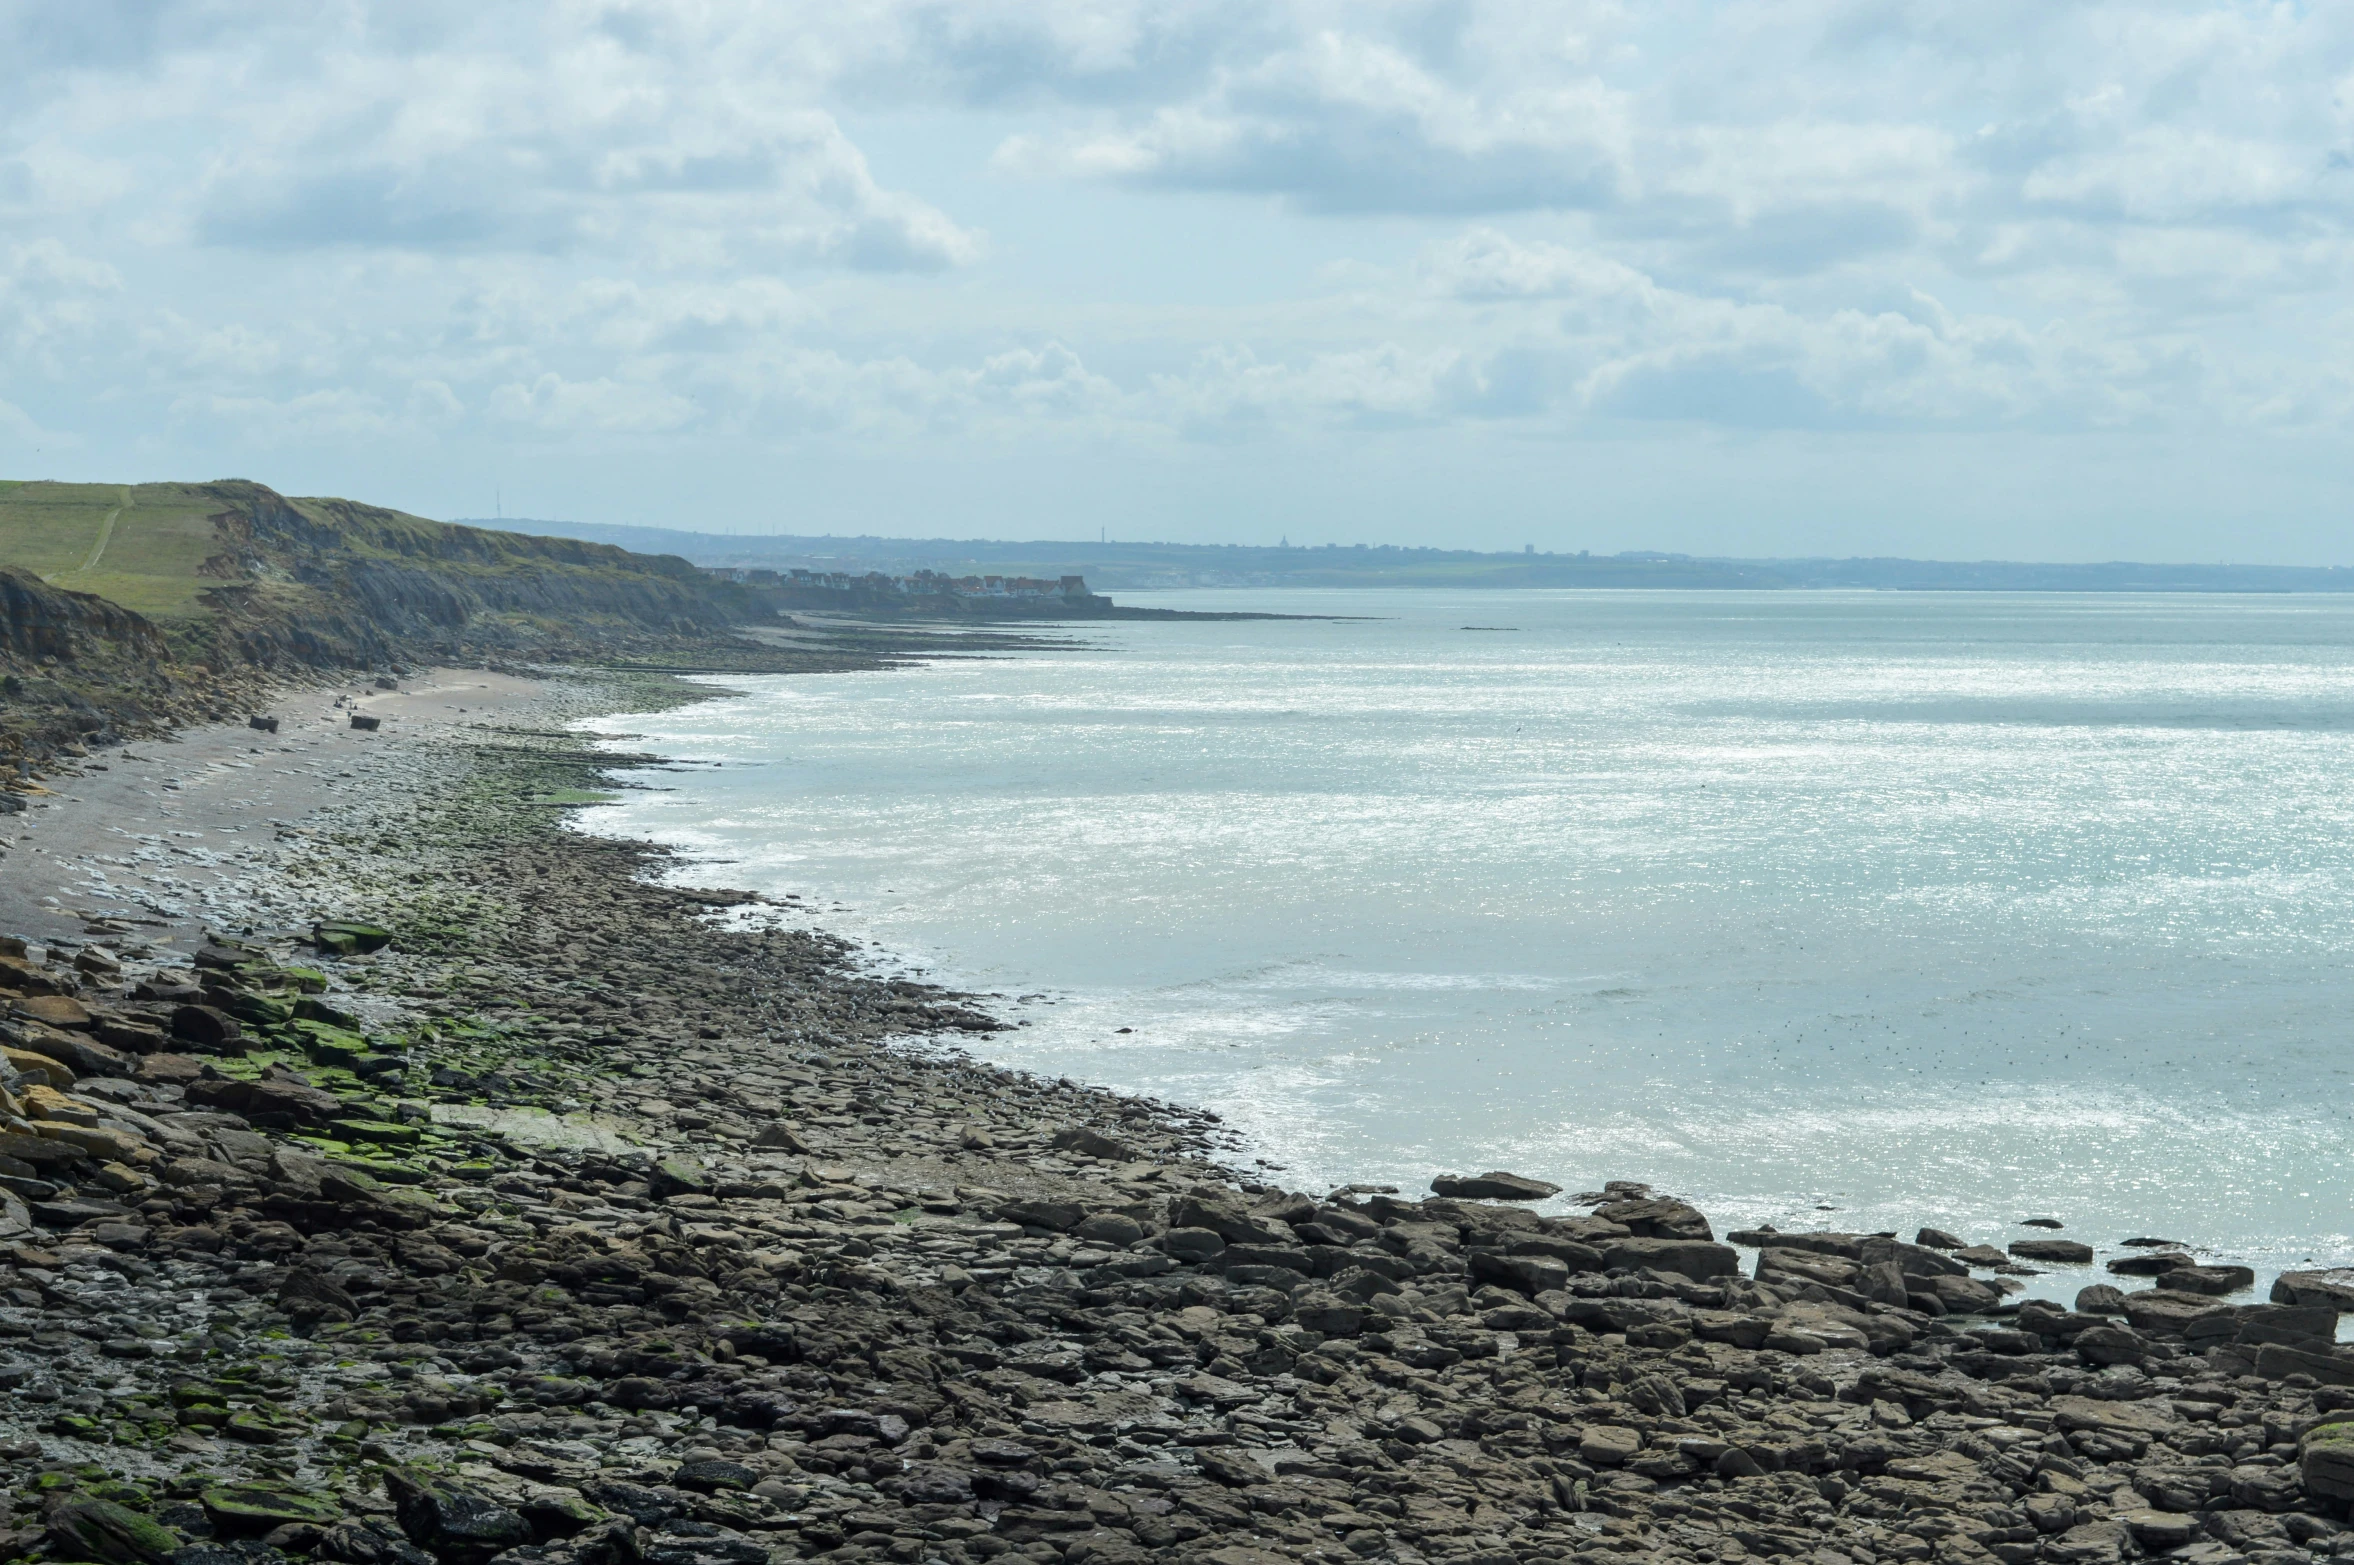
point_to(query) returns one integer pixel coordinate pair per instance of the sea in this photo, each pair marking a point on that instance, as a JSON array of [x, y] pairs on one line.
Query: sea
[[1860, 911]]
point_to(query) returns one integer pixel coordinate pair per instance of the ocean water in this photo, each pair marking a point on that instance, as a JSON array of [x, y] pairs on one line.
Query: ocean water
[[1826, 910]]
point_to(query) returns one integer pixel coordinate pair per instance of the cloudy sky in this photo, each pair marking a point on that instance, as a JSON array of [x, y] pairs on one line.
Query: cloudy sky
[[2020, 278]]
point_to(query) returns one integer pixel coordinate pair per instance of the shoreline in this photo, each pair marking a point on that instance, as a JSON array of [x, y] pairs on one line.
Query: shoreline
[[574, 1228], [933, 955]]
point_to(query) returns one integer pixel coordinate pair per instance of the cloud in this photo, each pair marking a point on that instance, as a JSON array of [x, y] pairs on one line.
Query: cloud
[[605, 153], [917, 227], [1344, 122]]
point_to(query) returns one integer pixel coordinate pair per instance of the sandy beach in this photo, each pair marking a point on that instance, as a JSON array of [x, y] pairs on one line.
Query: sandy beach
[[158, 837]]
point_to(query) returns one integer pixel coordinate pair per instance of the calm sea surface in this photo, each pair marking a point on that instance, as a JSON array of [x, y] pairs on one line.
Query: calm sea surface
[[1849, 910]]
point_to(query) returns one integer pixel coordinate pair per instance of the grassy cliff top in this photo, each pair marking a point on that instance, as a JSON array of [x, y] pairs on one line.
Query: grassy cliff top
[[144, 546], [157, 548]]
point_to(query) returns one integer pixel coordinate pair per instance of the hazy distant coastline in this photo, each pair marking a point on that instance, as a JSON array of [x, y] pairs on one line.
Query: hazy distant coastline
[[1132, 566]]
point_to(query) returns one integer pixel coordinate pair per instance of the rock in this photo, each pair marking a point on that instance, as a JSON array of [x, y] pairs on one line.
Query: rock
[[2064, 1251], [1227, 1221], [710, 1474], [2278, 1361], [679, 1176], [243, 1510], [1193, 1245], [2325, 1458], [1937, 1239], [291, 1099], [1056, 1216], [87, 1056], [1093, 1143], [368, 1541], [1685, 1257], [208, 1028], [780, 1137], [1328, 1314], [1805, 1266], [2111, 1345], [2155, 1263], [2333, 1288], [453, 1523], [2159, 1531], [23, 977], [1496, 1185], [345, 937], [1529, 1274], [1964, 1295], [1911, 1259], [169, 1070], [2100, 1299], [83, 1528], [1657, 1217], [2163, 1310], [1847, 1247], [1608, 1445], [306, 1295], [44, 1151], [2041, 1222], [130, 1037], [2209, 1279], [1110, 1228], [38, 1067], [53, 1010]]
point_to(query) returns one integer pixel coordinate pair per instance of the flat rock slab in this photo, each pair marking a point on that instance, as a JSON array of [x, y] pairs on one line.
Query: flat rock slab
[[2145, 1418], [533, 1127], [1495, 1185]]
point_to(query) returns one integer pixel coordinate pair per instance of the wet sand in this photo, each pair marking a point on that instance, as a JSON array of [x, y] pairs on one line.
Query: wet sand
[[157, 839]]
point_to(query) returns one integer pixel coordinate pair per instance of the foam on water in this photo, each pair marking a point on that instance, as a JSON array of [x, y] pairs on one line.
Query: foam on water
[[1842, 910]]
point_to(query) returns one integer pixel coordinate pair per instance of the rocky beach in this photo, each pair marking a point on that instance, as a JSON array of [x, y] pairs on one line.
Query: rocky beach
[[394, 1175]]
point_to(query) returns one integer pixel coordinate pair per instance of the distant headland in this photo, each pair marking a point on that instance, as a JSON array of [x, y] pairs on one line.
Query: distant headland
[[1118, 566]]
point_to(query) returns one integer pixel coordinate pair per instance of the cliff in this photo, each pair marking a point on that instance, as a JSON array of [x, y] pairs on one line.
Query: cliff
[[200, 595]]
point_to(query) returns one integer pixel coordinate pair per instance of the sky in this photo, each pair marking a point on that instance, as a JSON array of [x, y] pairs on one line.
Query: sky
[[2029, 279]]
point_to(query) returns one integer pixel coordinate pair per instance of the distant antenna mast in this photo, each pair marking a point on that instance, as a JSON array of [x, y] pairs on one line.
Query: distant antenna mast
[[498, 503]]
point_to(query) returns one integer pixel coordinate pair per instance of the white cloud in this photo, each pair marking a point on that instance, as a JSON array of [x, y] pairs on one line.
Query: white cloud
[[920, 228]]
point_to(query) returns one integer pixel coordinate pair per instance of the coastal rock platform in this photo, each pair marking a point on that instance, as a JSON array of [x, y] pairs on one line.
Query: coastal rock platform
[[596, 1220]]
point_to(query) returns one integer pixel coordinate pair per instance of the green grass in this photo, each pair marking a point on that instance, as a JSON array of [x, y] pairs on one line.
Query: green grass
[[139, 544]]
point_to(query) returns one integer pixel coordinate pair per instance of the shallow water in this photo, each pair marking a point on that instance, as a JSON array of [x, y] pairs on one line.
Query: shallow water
[[1829, 910]]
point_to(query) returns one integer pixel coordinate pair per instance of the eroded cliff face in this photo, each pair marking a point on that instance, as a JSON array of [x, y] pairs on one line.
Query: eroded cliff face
[[38, 621], [371, 583], [76, 670]]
